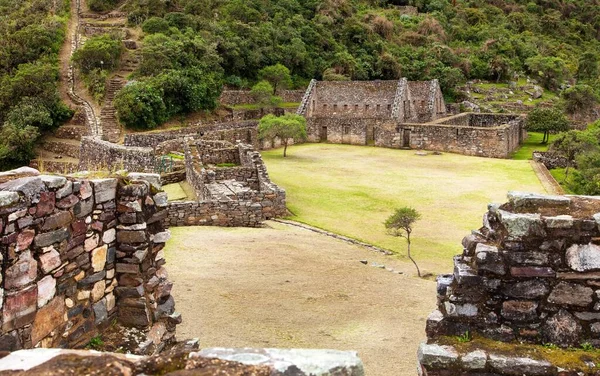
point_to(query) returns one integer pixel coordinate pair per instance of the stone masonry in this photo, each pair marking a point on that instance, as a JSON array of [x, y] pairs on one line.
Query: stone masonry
[[531, 274], [78, 253]]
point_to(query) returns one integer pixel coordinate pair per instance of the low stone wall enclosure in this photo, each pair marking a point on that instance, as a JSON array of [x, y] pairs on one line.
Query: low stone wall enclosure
[[529, 275], [78, 253]]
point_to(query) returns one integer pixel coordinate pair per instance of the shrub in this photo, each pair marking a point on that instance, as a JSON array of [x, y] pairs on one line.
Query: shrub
[[261, 92], [101, 5], [100, 52], [579, 97], [140, 105], [547, 120]]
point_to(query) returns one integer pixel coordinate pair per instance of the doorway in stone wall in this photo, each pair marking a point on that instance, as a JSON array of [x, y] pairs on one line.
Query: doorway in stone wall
[[323, 135], [406, 138], [346, 134], [370, 135]]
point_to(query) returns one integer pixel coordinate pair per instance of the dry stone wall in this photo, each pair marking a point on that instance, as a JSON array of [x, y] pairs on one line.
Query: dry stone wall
[[99, 155], [531, 274], [237, 97], [70, 263]]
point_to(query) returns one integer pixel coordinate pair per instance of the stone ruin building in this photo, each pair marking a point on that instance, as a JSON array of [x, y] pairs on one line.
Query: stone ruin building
[[530, 276], [84, 256], [403, 114]]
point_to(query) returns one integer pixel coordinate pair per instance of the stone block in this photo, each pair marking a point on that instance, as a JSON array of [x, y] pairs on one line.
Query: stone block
[[46, 290], [67, 202], [50, 260], [92, 278], [128, 268], [131, 236], [523, 200], [437, 357], [532, 272], [24, 239], [520, 310], [99, 258], [460, 310], [85, 190], [508, 365], [83, 208], [109, 236], [153, 179], [488, 258], [100, 311], [47, 319], [46, 204], [475, 360], [161, 200], [91, 242], [583, 257], [531, 289], [8, 198], [571, 294], [134, 316], [21, 273], [65, 191], [98, 290], [559, 222], [19, 308], [29, 187], [562, 329], [53, 181], [161, 237], [527, 258], [49, 238], [520, 226], [104, 189], [58, 220]]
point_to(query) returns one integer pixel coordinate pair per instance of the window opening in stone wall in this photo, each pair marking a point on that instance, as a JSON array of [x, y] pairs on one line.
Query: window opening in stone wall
[[355, 107], [389, 107], [335, 107], [366, 107], [346, 129], [378, 107], [324, 106], [397, 129], [345, 107]]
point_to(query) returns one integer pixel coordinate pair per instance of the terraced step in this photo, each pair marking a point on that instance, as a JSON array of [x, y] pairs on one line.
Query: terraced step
[[62, 146], [50, 162], [71, 132]]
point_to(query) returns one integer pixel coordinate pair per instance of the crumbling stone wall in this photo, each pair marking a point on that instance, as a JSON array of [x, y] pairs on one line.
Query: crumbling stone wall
[[531, 275], [68, 262], [248, 204], [99, 155]]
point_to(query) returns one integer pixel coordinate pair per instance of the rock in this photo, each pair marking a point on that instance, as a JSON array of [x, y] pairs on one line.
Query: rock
[[19, 308], [506, 365], [465, 274], [527, 258], [21, 172], [98, 291], [92, 278], [562, 329], [50, 261], [104, 190], [460, 310], [24, 239], [537, 92], [58, 220], [532, 272], [526, 290], [85, 190], [520, 310], [67, 202], [521, 200], [364, 262], [443, 283], [100, 311], [571, 294], [91, 242], [47, 319], [587, 316], [161, 237], [46, 290], [127, 268], [83, 208], [22, 272], [161, 199], [290, 361], [46, 204], [65, 191], [53, 181], [131, 237], [436, 356], [109, 236], [153, 179], [521, 226], [110, 302], [488, 258], [8, 198], [475, 360], [29, 187], [561, 221], [595, 327], [49, 238], [583, 258], [99, 258]]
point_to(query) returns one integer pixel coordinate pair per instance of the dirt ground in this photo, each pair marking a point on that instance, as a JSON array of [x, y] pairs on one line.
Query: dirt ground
[[288, 287]]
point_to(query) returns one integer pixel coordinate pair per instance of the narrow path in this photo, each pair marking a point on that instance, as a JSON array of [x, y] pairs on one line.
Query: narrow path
[[550, 184]]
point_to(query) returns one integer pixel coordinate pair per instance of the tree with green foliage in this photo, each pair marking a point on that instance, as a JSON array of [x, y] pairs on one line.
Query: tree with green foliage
[[17, 144], [579, 98], [101, 5], [588, 67], [400, 224], [547, 120], [277, 75], [286, 127], [573, 143], [99, 52], [140, 105], [262, 92], [552, 71]]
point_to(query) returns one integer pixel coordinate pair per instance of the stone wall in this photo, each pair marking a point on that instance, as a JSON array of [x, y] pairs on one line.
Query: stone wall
[[99, 155], [244, 131], [530, 275], [550, 160], [470, 119], [71, 263], [354, 131], [237, 97]]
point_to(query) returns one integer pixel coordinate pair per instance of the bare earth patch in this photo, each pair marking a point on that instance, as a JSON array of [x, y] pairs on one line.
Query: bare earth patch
[[288, 287]]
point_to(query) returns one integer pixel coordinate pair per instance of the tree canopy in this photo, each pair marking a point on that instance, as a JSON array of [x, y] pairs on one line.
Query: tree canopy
[[400, 224], [289, 126], [547, 120]]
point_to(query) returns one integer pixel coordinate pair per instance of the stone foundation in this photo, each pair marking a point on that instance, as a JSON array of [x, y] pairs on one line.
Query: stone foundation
[[530, 275]]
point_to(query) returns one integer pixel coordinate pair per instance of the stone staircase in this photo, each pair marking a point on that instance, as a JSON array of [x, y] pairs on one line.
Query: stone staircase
[[111, 131]]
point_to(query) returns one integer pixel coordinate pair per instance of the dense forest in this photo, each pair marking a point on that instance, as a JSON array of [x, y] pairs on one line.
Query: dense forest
[[190, 48]]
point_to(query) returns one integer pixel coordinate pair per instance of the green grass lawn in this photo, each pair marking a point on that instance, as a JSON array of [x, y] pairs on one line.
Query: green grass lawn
[[351, 190], [531, 144], [559, 175]]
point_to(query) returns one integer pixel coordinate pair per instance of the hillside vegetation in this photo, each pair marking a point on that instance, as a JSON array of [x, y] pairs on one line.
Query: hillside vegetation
[[32, 33]]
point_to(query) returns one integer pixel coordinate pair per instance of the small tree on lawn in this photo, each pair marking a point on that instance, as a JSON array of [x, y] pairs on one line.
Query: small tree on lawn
[[572, 143], [277, 75], [283, 127], [547, 120], [401, 224]]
